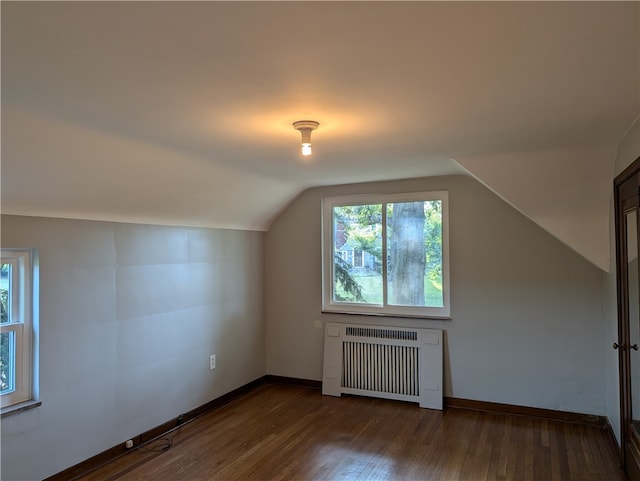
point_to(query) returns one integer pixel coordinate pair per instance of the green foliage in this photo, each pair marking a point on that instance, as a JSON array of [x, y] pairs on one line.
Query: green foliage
[[5, 338], [5, 361], [433, 239], [4, 306], [368, 241], [363, 232], [4, 292], [363, 214], [352, 291], [5, 364], [363, 227]]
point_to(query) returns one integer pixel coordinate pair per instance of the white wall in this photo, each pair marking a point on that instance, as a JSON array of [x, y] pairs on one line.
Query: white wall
[[576, 187], [527, 310], [628, 151], [128, 317]]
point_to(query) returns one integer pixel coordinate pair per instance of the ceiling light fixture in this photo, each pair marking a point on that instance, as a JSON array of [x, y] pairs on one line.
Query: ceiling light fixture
[[305, 127]]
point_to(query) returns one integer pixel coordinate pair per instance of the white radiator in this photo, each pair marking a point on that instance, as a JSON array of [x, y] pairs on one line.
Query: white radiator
[[387, 362]]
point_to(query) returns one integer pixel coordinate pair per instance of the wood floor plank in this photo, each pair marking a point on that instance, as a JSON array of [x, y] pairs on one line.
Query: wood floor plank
[[280, 432]]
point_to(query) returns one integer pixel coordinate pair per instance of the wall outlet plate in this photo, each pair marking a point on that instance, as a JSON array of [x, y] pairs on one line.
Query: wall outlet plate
[[212, 361]]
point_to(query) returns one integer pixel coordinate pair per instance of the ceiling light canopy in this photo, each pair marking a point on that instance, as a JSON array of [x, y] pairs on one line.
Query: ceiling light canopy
[[305, 127]]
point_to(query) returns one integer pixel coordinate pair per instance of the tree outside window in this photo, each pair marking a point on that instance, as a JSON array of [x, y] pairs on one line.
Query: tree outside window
[[389, 256]]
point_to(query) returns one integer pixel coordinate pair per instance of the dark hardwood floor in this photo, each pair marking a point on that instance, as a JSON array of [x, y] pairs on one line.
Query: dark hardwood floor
[[279, 432]]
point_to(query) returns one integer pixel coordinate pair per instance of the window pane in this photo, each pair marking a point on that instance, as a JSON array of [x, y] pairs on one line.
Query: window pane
[[7, 362], [357, 252], [5, 298], [414, 231]]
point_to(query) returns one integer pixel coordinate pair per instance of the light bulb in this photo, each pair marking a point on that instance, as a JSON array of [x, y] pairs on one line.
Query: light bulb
[[305, 127]]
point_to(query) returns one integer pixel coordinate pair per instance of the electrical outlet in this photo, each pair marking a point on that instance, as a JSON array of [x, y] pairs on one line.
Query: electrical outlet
[[212, 361], [128, 443]]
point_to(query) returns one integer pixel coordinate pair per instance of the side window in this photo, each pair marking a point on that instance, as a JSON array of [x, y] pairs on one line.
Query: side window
[[387, 254], [18, 296]]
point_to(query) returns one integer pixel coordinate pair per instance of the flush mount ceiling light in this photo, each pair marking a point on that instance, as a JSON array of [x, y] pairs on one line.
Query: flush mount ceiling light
[[305, 127]]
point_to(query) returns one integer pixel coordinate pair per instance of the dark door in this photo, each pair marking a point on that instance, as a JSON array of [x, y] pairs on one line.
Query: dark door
[[627, 205]]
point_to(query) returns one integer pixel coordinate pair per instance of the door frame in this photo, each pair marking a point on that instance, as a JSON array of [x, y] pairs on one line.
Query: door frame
[[626, 198]]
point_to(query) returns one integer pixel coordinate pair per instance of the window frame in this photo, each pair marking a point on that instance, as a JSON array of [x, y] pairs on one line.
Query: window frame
[[22, 322], [329, 305]]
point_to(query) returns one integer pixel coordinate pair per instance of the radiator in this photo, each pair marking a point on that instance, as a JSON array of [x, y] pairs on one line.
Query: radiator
[[386, 362]]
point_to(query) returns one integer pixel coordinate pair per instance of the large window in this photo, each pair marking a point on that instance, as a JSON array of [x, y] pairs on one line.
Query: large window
[[387, 254], [18, 295]]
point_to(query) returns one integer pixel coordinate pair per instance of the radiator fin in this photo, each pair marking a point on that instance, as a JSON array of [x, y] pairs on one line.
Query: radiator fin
[[378, 333], [381, 368]]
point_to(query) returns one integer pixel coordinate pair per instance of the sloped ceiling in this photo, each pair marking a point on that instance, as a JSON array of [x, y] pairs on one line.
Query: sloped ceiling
[[181, 112], [566, 191]]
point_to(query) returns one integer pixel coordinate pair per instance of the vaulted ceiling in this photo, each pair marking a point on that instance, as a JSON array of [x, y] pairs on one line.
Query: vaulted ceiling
[[181, 112]]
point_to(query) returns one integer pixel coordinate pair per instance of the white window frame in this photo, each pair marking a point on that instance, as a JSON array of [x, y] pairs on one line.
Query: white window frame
[[328, 303], [22, 323]]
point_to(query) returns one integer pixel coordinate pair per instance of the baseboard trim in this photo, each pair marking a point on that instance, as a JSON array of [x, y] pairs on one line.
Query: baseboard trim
[[91, 464], [293, 381], [551, 414]]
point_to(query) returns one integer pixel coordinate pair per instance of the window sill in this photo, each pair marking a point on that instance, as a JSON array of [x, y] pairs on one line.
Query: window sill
[[16, 408], [387, 314]]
